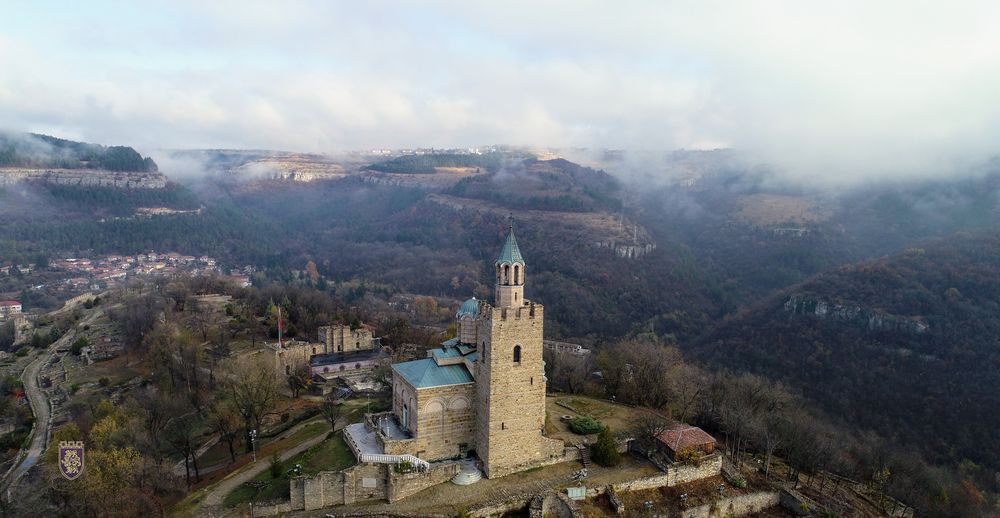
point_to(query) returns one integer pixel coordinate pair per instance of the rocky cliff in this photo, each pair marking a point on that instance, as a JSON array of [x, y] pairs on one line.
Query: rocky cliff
[[872, 319], [84, 177]]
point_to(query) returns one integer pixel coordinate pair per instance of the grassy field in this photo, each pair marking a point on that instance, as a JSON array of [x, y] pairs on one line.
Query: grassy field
[[614, 415], [262, 488]]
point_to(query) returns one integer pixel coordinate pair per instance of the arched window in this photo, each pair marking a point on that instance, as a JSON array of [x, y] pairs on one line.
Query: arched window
[[341, 367], [506, 274], [517, 274], [314, 350], [357, 365], [326, 369], [517, 354], [357, 345]]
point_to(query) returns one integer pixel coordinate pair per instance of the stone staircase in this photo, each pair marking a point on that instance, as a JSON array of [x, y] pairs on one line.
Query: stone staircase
[[584, 455]]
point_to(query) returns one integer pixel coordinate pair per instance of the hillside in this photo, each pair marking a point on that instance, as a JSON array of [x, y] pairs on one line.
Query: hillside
[[907, 345], [34, 151]]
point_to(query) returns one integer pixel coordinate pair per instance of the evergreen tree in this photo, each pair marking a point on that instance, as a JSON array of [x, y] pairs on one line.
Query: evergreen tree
[[604, 451]]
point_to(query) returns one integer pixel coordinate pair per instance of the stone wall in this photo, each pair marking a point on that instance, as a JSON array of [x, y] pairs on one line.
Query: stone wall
[[84, 177], [446, 420], [360, 483], [735, 506], [292, 356], [676, 474], [402, 485]]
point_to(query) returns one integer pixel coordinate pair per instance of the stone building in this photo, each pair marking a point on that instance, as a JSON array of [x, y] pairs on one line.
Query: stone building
[[9, 308], [339, 349], [340, 338], [482, 392]]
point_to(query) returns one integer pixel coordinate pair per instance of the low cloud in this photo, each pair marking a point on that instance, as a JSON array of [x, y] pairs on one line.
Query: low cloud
[[835, 94]]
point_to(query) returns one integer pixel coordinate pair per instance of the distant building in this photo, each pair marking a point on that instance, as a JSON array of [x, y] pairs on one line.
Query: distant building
[[566, 348], [341, 349], [9, 307]]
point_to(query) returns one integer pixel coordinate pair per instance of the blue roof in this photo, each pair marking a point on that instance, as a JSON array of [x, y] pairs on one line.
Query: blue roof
[[510, 253], [469, 307], [449, 352], [451, 342], [427, 373]]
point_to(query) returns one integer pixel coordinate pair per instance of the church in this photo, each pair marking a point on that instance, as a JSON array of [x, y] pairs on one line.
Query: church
[[481, 393]]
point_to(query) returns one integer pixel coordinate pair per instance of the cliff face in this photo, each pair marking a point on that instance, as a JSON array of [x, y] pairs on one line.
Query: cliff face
[[873, 320], [84, 177]]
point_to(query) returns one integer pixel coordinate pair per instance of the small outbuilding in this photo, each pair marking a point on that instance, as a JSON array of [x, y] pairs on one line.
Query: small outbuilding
[[683, 437]]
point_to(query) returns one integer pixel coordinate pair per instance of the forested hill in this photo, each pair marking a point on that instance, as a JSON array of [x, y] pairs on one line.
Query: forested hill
[[42, 151], [907, 345]]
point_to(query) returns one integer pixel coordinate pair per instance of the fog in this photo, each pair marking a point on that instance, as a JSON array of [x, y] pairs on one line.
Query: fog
[[828, 93]]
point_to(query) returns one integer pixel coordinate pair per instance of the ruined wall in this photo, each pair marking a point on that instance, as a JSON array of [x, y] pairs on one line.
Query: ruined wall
[[511, 395], [675, 475], [735, 506], [292, 356], [402, 485], [341, 338]]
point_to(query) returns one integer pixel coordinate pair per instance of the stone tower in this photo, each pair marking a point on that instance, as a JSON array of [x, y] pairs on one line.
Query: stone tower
[[510, 376]]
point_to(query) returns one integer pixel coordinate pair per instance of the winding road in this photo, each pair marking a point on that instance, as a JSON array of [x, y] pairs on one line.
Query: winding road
[[40, 406]]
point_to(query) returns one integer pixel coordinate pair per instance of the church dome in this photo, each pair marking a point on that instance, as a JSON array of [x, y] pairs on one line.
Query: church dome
[[468, 308]]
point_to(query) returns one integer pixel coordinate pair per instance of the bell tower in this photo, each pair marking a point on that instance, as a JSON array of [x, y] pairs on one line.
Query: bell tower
[[510, 274], [510, 379]]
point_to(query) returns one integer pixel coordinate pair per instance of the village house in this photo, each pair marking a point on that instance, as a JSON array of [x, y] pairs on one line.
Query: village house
[[9, 308]]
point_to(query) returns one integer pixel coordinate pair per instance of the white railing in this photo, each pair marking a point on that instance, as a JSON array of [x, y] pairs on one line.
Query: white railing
[[379, 458]]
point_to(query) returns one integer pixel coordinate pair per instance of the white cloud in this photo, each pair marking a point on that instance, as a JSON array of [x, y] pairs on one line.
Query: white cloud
[[835, 90]]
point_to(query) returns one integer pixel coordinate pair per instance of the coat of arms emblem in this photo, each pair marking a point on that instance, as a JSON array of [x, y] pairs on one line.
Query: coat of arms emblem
[[71, 459]]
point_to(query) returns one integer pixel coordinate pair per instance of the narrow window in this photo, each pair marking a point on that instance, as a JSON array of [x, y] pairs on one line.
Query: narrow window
[[314, 350], [503, 426], [517, 354], [517, 274], [532, 381]]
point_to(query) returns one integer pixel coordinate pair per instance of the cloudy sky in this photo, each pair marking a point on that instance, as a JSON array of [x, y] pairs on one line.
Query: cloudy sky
[[819, 88]]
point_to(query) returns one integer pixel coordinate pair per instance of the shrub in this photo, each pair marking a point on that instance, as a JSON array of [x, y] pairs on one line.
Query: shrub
[[78, 345], [689, 456], [585, 425], [104, 382], [23, 351], [605, 451]]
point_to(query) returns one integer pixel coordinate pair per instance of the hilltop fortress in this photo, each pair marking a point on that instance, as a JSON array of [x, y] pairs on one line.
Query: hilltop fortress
[[482, 392]]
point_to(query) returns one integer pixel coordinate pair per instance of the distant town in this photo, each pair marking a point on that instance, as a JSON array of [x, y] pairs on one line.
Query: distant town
[[98, 273]]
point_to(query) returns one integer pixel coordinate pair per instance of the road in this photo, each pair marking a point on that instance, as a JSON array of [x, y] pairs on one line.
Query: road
[[40, 406]]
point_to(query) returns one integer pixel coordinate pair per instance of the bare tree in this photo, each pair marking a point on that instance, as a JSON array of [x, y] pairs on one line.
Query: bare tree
[[253, 391], [181, 434], [300, 379], [332, 409], [225, 422]]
